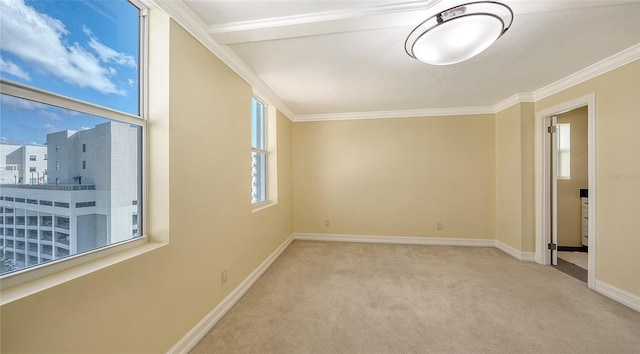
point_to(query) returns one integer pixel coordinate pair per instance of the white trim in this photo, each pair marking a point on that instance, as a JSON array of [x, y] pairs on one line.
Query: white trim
[[517, 254], [542, 180], [624, 297], [409, 113], [515, 99], [416, 240], [183, 15], [615, 61], [400, 240], [204, 326]]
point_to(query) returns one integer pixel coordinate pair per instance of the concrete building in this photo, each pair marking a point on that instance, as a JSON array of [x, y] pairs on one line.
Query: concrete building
[[23, 164], [91, 198]]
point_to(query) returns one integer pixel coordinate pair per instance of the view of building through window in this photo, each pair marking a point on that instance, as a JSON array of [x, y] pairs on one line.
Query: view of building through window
[[70, 182]]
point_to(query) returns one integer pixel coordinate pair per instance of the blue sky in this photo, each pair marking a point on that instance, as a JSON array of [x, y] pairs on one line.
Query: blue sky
[[85, 49]]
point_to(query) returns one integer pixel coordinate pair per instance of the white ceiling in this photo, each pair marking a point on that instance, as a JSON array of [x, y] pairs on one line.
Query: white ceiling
[[335, 57]]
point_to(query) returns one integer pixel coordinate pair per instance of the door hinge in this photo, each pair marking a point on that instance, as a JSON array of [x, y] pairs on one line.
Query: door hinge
[[552, 129], [552, 246]]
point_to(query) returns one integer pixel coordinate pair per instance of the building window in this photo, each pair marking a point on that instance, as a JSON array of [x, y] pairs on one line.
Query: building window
[[94, 101], [564, 150], [259, 152]]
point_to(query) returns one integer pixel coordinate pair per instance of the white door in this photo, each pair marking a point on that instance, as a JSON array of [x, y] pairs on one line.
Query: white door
[[552, 130]]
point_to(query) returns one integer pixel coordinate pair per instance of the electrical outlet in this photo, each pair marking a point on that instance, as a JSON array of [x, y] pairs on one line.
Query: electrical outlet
[[223, 276], [439, 226], [327, 223]]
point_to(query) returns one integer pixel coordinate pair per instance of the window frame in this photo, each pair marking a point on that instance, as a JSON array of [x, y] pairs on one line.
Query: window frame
[[10, 282]]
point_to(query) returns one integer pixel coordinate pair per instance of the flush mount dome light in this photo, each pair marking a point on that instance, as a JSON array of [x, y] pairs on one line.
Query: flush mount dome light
[[459, 33]]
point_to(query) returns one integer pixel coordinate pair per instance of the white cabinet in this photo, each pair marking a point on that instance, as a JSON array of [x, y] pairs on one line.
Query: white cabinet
[[585, 220]]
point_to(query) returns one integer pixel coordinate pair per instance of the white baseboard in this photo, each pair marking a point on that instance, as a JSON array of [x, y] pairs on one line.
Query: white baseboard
[[624, 297], [517, 254], [204, 326], [404, 240]]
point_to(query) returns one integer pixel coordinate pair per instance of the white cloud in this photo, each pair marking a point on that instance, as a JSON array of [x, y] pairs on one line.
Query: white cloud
[[21, 103], [14, 70], [38, 39], [106, 54]]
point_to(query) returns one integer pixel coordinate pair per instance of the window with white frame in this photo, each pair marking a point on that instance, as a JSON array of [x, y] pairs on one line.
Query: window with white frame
[[71, 78], [259, 153], [564, 150]]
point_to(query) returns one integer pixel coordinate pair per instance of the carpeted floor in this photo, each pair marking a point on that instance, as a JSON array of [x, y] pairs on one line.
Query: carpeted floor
[[332, 297]]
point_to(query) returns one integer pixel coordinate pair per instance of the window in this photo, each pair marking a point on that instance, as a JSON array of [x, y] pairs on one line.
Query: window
[[258, 152], [564, 150], [79, 73]]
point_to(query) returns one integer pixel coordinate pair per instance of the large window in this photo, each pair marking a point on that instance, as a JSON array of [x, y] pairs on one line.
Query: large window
[[259, 153], [71, 80]]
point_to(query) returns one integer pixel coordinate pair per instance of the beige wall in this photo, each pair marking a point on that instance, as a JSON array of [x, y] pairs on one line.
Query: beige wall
[[515, 198], [148, 303], [569, 203], [396, 176], [617, 170]]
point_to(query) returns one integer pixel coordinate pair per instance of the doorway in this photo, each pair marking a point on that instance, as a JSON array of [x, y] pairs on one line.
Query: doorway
[[570, 188], [566, 187]]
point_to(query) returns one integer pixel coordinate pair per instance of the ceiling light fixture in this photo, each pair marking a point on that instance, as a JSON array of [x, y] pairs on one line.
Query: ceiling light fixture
[[459, 33]]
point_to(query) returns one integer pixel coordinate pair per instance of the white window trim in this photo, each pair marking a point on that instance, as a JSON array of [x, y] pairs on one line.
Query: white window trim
[[28, 281]]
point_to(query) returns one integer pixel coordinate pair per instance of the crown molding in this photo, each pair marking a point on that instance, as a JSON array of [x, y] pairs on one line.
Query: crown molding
[[615, 61], [185, 17], [513, 100], [409, 113]]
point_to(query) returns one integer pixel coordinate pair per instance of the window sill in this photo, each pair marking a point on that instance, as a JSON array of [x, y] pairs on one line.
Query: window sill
[[29, 282], [262, 206]]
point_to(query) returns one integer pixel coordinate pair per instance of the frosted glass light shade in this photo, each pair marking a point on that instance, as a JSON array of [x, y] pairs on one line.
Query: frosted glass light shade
[[459, 33]]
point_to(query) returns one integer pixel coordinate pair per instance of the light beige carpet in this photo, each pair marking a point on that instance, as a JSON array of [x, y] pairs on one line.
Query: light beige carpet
[[331, 297]]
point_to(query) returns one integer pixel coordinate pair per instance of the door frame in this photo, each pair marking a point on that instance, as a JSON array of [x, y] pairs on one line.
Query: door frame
[[543, 180]]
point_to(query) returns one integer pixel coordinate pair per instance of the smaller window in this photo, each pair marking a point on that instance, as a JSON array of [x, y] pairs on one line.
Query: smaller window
[[61, 205], [32, 169], [84, 165], [46, 203], [45, 157], [32, 157], [564, 150], [57, 149], [84, 147], [57, 167], [258, 151]]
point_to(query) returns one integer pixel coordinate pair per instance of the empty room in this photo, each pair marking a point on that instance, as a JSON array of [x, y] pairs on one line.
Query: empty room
[[217, 176]]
